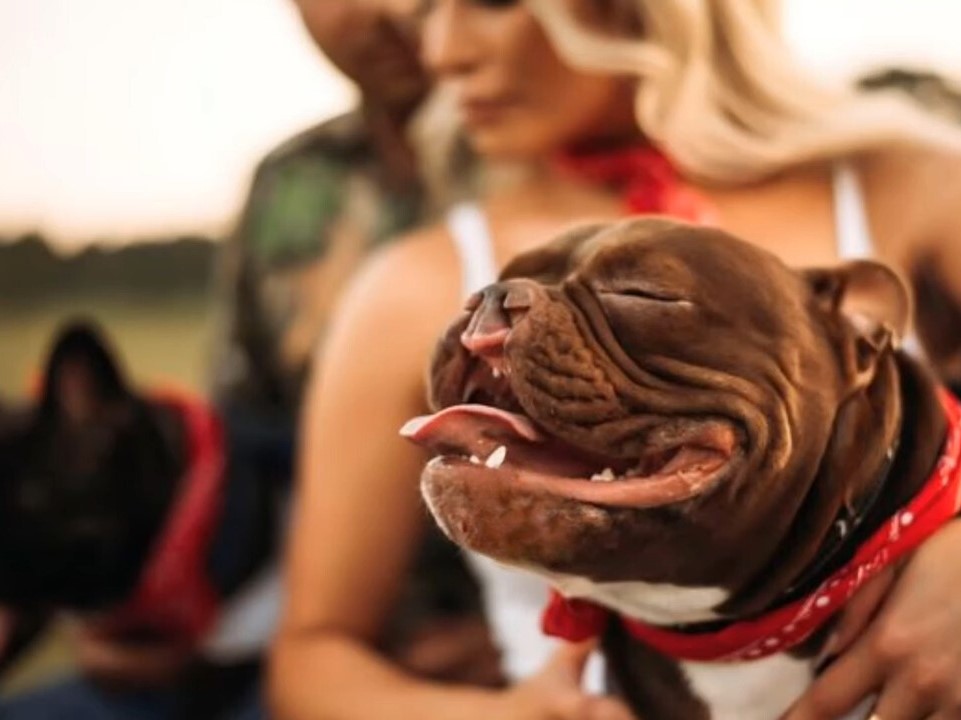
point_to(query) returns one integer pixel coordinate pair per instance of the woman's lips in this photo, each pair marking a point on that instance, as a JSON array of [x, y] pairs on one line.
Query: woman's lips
[[483, 111]]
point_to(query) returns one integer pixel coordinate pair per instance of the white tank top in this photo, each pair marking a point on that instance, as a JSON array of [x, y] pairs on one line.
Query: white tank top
[[514, 599], [853, 230]]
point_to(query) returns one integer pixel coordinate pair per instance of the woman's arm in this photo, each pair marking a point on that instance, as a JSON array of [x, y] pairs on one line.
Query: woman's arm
[[939, 293], [358, 516], [915, 206], [939, 316]]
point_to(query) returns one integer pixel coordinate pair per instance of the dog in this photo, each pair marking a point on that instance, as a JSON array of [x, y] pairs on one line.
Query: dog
[[704, 451]]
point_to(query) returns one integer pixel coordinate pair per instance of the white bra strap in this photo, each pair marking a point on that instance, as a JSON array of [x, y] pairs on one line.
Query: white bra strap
[[850, 214], [472, 238]]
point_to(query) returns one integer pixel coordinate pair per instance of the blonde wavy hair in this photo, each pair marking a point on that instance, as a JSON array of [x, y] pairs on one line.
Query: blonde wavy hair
[[719, 92]]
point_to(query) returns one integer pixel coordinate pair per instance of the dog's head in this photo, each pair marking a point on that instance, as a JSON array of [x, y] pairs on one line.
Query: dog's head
[[85, 479], [651, 401]]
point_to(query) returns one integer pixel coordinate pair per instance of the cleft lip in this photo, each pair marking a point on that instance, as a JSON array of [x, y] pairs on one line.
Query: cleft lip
[[492, 315], [483, 343]]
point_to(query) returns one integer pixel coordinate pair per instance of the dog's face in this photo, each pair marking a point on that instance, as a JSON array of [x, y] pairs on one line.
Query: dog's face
[[85, 477], [644, 401]]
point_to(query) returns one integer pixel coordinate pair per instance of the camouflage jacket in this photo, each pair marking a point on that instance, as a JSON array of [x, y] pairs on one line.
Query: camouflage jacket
[[317, 205]]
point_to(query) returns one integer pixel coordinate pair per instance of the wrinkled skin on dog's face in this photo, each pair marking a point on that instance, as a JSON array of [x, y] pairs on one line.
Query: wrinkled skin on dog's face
[[642, 401]]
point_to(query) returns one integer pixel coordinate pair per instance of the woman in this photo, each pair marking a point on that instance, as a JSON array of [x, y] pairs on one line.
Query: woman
[[572, 93]]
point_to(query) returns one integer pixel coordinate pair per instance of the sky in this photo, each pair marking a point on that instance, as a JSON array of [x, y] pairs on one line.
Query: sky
[[125, 119]]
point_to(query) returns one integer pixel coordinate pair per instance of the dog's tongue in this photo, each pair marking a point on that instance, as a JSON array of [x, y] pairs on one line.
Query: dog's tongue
[[469, 430]]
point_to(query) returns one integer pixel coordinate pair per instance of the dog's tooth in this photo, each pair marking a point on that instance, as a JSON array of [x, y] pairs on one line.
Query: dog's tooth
[[496, 373], [605, 475], [496, 458], [474, 460]]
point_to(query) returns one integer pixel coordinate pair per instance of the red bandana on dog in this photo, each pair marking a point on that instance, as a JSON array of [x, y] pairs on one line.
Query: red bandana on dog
[[938, 501], [175, 596]]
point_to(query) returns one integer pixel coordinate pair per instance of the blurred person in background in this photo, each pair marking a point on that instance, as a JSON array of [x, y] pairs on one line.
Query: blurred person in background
[[319, 203], [612, 107]]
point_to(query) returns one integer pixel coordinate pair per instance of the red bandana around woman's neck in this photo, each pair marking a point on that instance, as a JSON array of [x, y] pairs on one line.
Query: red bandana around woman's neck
[[175, 596], [937, 502], [645, 179]]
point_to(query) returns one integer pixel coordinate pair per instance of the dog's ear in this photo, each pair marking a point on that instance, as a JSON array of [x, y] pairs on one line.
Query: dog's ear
[[871, 301], [82, 375]]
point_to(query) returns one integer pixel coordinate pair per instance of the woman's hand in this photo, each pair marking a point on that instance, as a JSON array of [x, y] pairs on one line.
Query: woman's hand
[[909, 654], [555, 692]]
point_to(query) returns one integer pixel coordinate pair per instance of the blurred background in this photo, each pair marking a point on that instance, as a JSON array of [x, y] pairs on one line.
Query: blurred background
[[129, 131]]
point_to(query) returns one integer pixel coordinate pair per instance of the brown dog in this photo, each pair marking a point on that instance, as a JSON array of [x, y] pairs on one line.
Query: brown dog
[[672, 424]]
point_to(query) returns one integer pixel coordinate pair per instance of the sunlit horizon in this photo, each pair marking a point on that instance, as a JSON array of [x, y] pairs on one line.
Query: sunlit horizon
[[149, 117], [145, 118]]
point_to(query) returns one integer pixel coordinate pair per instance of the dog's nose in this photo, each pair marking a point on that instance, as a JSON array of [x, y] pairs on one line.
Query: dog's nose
[[495, 310]]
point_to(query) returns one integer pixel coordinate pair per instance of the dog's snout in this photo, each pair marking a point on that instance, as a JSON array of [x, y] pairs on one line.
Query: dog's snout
[[495, 310], [489, 324], [519, 296]]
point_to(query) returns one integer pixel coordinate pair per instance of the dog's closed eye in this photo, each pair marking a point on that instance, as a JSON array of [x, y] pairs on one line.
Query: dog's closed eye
[[649, 295]]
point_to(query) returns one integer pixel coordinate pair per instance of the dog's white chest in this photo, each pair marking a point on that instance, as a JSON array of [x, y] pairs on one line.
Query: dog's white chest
[[651, 602], [755, 690]]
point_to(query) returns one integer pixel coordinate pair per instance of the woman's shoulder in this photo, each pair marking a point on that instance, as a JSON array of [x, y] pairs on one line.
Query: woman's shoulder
[[426, 251], [416, 274], [894, 164], [914, 191]]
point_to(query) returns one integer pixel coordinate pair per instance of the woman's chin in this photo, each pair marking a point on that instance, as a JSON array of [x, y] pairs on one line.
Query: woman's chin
[[507, 146]]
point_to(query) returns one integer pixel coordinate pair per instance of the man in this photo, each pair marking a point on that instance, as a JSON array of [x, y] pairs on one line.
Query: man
[[318, 204]]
